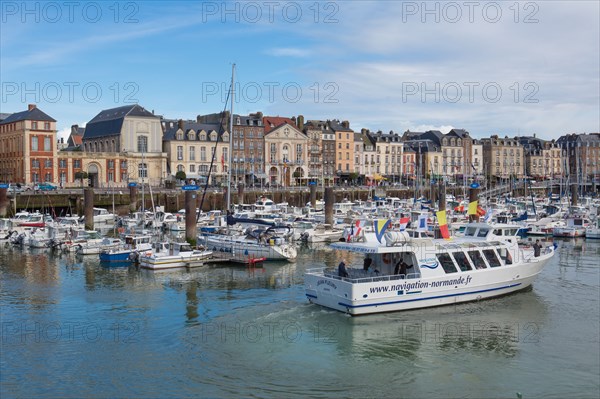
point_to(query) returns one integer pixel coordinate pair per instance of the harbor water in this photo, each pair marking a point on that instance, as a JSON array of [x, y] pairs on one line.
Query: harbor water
[[71, 327]]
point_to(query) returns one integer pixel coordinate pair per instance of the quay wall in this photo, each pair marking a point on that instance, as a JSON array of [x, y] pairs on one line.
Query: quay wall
[[71, 201]]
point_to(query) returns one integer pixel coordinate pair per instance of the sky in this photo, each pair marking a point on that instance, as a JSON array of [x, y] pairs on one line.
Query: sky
[[493, 67]]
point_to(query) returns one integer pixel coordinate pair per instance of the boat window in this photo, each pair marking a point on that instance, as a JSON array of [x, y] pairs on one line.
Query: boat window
[[470, 231], [477, 259], [447, 263], [482, 232], [498, 232], [491, 257], [505, 256], [462, 261]]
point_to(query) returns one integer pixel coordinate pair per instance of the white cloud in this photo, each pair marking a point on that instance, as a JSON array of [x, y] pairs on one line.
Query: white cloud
[[288, 52]]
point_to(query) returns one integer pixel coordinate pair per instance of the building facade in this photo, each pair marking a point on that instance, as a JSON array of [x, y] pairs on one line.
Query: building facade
[[200, 150], [286, 154], [28, 147]]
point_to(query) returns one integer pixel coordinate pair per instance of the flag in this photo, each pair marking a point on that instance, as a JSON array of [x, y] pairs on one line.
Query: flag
[[472, 208], [488, 215], [355, 229], [403, 223], [441, 217], [223, 161], [473, 166], [422, 223], [380, 226]]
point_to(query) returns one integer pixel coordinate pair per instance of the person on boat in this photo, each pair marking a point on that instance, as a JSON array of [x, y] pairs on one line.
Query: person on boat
[[367, 263], [537, 248], [401, 267], [342, 272]]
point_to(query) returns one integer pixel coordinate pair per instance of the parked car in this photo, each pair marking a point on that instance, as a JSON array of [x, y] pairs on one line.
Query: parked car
[[45, 187]]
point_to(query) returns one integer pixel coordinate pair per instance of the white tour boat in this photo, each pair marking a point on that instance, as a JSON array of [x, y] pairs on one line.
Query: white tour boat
[[486, 262]]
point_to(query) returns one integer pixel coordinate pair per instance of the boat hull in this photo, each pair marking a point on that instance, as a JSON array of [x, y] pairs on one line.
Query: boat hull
[[242, 250]]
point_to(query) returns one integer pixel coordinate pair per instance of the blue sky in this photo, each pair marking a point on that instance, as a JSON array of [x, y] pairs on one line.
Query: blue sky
[[504, 68]]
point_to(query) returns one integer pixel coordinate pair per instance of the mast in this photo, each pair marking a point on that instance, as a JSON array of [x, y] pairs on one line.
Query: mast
[[230, 140]]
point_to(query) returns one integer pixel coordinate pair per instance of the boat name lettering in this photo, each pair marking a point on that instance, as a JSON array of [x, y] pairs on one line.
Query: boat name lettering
[[419, 285], [329, 283]]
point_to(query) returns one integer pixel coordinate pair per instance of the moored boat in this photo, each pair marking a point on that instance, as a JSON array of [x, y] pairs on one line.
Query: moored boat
[[172, 255]]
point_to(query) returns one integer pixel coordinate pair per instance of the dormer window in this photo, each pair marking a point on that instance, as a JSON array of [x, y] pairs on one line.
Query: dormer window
[[179, 135]]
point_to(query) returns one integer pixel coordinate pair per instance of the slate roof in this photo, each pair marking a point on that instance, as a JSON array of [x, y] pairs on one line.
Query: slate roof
[[3, 116], [337, 126], [34, 114], [110, 121], [170, 130]]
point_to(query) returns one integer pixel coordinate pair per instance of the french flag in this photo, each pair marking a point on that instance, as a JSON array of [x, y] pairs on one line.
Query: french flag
[[403, 223]]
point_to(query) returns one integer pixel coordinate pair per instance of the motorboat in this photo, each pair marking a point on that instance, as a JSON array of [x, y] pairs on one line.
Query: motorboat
[[172, 255], [486, 262], [129, 251]]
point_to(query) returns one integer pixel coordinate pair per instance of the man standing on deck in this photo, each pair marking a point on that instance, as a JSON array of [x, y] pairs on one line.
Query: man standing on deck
[[342, 272], [537, 248]]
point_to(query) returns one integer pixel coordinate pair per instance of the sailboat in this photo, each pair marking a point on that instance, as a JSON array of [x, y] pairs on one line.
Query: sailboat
[[249, 245]]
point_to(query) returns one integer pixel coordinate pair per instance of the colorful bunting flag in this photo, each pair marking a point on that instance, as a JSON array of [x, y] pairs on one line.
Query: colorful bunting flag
[[441, 217], [380, 226]]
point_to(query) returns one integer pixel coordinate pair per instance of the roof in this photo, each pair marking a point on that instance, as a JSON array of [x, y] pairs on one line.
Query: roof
[[271, 122], [34, 114], [170, 130], [3, 116], [338, 126], [110, 121]]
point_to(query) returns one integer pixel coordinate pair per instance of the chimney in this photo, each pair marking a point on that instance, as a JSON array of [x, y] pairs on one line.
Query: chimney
[[180, 124], [346, 124], [31, 107], [300, 122]]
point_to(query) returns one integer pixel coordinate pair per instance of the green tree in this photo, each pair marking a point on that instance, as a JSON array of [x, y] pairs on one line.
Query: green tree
[[81, 175], [180, 175]]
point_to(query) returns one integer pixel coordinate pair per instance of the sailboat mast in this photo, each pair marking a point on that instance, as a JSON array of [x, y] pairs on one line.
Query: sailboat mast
[[229, 185]]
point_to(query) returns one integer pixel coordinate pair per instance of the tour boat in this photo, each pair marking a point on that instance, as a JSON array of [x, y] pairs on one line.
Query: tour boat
[[171, 255], [125, 253], [486, 262]]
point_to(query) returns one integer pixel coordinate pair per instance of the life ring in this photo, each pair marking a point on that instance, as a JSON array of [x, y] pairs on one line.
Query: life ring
[[387, 259], [121, 230]]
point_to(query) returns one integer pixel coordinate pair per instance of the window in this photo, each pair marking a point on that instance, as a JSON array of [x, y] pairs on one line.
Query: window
[[505, 256], [47, 144], [446, 262], [491, 257], [48, 177], [111, 176], [180, 168], [46, 125], [77, 163], [477, 259], [34, 143], [62, 163], [179, 152], [143, 170], [192, 153], [202, 153], [192, 168], [142, 144], [462, 261], [34, 125], [48, 163]]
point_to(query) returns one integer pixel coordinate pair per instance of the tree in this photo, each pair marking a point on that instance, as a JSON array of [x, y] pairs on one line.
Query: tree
[[81, 175], [180, 175]]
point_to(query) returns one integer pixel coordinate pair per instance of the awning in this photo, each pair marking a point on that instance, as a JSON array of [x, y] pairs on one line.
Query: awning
[[260, 176]]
